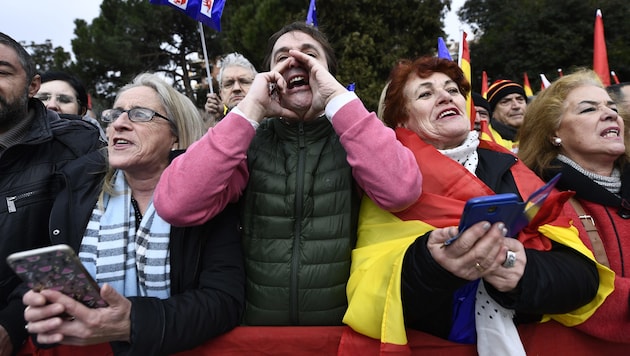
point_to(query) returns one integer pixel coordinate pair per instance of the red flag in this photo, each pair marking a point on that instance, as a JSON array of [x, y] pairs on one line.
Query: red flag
[[614, 75], [464, 64], [526, 86], [484, 84], [600, 56]]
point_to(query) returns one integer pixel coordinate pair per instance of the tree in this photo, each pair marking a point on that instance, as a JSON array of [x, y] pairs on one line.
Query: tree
[[48, 58], [134, 36], [540, 36], [368, 36], [131, 36]]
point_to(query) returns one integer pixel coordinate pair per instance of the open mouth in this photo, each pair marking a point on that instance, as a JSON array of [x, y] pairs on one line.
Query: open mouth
[[447, 113], [297, 81], [120, 141], [612, 132]]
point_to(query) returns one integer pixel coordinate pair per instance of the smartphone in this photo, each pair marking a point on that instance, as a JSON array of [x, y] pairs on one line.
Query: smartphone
[[504, 208], [57, 267]]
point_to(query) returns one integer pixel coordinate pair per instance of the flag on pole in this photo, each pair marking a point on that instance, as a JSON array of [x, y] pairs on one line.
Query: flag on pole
[[311, 16], [443, 49], [526, 86], [544, 82], [484, 84], [464, 64], [600, 56], [612, 73], [207, 12]]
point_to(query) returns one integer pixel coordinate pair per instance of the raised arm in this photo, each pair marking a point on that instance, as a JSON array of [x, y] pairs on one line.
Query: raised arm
[[385, 169], [198, 184]]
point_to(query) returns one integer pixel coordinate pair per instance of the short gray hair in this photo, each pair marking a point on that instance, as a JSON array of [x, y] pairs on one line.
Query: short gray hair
[[234, 60]]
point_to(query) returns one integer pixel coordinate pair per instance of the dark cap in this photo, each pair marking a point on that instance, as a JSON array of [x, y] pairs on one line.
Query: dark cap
[[479, 100], [502, 88]]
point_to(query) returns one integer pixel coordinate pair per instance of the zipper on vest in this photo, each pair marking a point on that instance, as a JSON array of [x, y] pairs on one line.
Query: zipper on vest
[[294, 303], [11, 208]]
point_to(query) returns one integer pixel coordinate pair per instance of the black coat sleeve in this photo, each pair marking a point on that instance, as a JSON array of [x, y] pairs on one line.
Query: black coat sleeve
[[427, 290], [205, 301]]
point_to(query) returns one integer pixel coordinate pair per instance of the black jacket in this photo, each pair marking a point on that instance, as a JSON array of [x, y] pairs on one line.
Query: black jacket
[[561, 273], [30, 176], [207, 271]]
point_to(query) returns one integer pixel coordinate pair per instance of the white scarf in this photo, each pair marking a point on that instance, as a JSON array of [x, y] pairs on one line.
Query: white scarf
[[466, 153], [135, 263]]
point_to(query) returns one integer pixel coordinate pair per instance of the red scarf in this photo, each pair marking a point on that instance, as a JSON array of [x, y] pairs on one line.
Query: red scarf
[[447, 185]]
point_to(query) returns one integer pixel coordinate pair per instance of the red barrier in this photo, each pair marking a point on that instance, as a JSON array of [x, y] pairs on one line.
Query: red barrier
[[550, 339]]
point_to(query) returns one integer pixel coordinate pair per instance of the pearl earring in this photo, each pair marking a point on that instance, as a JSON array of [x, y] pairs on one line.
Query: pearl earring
[[557, 141]]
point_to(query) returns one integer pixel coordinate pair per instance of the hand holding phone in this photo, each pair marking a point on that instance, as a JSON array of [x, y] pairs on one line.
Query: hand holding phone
[[58, 268], [504, 208]]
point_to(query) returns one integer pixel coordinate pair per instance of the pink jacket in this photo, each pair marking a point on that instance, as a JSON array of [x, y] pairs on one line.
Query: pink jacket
[[197, 185]]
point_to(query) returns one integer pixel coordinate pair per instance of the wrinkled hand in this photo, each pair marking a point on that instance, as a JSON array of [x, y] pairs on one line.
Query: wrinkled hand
[[214, 106], [48, 311], [479, 253], [506, 279]]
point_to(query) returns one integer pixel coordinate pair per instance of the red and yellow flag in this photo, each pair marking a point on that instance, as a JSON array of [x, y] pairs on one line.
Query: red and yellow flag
[[464, 64], [526, 86]]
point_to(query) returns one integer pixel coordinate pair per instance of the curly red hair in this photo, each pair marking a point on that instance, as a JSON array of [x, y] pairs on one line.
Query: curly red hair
[[395, 102]]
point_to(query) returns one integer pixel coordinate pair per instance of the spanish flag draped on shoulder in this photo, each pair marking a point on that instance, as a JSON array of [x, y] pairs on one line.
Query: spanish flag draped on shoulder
[[374, 288], [207, 12]]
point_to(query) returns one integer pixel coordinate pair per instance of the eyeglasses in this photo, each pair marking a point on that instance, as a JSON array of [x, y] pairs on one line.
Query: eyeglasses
[[135, 115], [243, 82], [60, 98]]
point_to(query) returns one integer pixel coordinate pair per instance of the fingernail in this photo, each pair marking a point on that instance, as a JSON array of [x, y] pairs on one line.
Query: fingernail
[[486, 226], [503, 229]]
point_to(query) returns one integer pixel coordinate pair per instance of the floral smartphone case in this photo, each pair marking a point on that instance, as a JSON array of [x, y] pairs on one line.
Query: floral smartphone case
[[57, 267]]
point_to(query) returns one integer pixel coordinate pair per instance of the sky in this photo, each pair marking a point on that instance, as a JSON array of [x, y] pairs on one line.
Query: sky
[[39, 20]]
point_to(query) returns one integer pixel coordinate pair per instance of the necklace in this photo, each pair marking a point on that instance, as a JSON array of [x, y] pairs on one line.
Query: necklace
[[137, 212]]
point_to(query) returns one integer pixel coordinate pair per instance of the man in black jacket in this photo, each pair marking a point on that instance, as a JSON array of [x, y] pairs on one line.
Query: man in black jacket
[[35, 145]]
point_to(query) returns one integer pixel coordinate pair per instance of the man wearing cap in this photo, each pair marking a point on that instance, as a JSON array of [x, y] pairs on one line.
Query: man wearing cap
[[507, 103]]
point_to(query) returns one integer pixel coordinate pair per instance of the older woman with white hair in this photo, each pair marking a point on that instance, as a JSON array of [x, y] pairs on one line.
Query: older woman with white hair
[[168, 289]]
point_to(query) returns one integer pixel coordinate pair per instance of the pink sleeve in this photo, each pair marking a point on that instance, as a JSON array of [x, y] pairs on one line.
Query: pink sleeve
[[212, 172], [386, 170]]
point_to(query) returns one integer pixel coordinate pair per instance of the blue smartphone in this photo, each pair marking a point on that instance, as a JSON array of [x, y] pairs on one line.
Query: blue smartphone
[[504, 208]]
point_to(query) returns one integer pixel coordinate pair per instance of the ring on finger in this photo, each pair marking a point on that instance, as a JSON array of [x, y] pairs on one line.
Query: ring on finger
[[510, 259], [479, 267]]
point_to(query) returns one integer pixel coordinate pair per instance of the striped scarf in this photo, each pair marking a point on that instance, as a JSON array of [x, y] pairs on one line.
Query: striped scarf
[[134, 262]]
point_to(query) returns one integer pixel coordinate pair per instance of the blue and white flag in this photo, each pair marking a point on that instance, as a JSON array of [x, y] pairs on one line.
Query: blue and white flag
[[207, 12]]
